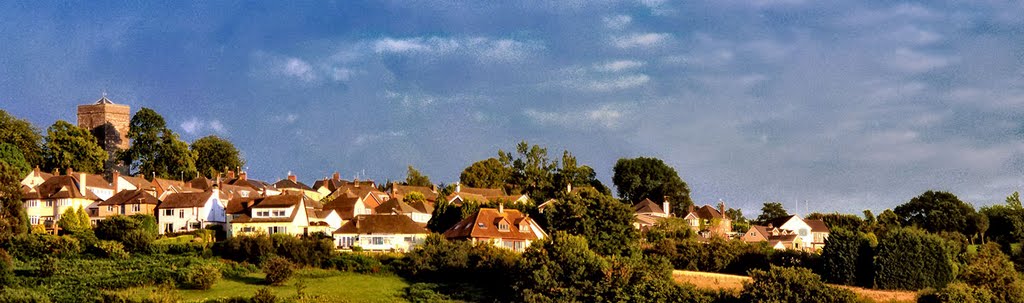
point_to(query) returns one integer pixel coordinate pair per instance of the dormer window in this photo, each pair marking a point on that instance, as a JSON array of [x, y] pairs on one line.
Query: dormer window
[[503, 226], [524, 227], [278, 213], [481, 225]]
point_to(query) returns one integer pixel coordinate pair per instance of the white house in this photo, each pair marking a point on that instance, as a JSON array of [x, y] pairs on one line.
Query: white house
[[187, 211], [812, 233], [381, 232]]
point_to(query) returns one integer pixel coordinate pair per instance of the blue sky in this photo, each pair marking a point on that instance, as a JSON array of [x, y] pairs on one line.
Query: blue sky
[[837, 105]]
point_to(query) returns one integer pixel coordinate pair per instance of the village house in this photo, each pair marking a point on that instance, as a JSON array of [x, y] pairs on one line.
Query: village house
[[290, 213], [777, 238], [464, 194], [398, 191], [418, 211], [127, 202], [810, 235], [351, 201], [381, 232], [505, 228], [45, 203], [646, 213], [36, 177], [709, 221], [122, 182], [188, 211], [292, 185]]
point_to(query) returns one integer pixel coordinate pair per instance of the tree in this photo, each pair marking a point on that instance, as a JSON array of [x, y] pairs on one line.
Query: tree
[[739, 222], [71, 221], [21, 134], [936, 211], [489, 173], [155, 149], [770, 210], [888, 219], [561, 268], [415, 178], [531, 172], [840, 256], [791, 284], [911, 259], [213, 154], [991, 269], [13, 220], [12, 155], [70, 146], [577, 175], [977, 225], [837, 220], [639, 178], [606, 223]]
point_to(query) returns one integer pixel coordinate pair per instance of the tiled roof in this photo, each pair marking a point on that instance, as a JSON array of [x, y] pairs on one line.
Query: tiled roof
[[382, 224], [779, 221], [482, 191], [237, 205], [131, 197], [185, 200], [708, 212], [59, 187], [278, 201], [395, 205], [138, 182], [399, 191], [286, 183], [345, 206], [484, 224], [647, 206], [98, 181], [817, 226]]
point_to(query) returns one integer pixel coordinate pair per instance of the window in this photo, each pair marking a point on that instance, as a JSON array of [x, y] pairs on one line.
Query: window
[[278, 213], [248, 229], [168, 227], [263, 213], [194, 225], [803, 232], [136, 208], [32, 204], [481, 225], [503, 226], [245, 194], [181, 213], [34, 220], [110, 208], [345, 242], [367, 211], [377, 241], [168, 212], [523, 227], [277, 229]]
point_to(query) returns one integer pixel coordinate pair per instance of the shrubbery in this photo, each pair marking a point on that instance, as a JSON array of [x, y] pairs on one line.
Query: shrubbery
[[353, 262], [27, 247], [793, 285], [198, 276], [278, 270], [912, 259], [112, 249], [6, 268]]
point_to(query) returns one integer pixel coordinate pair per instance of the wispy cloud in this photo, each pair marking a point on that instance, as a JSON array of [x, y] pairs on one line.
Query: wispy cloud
[[608, 116], [194, 126], [909, 60], [617, 22], [641, 40], [619, 65], [483, 48], [369, 138]]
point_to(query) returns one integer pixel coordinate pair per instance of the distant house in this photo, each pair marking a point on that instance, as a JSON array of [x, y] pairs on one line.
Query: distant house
[[464, 194], [777, 238], [128, 202], [292, 185], [381, 232], [506, 228], [36, 177], [418, 211], [349, 202], [45, 203], [708, 221], [398, 191], [188, 211], [122, 182], [292, 214], [646, 213], [810, 235]]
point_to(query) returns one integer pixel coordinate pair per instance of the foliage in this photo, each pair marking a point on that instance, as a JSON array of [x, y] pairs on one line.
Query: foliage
[[6, 268], [560, 269], [530, 171], [21, 134], [252, 249], [22, 295], [278, 270], [489, 173], [424, 293], [977, 225], [739, 222], [84, 280], [912, 259], [639, 178], [606, 223], [935, 211], [69, 146], [112, 249], [133, 232], [1006, 222], [214, 154], [351, 262], [791, 285], [155, 149], [27, 247], [12, 155], [992, 270], [770, 211], [305, 251], [571, 173], [71, 222], [840, 221], [841, 256], [958, 292], [198, 276], [13, 220], [415, 178], [264, 295], [672, 228]]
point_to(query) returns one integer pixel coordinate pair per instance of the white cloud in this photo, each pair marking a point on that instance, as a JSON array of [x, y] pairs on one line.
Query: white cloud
[[286, 118], [623, 82], [620, 65], [299, 69], [484, 49], [617, 22], [194, 126], [657, 7], [640, 40], [273, 66], [608, 116], [909, 60], [364, 139]]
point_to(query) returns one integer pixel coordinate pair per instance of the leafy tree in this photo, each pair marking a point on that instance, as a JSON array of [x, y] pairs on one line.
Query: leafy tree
[[531, 172], [606, 223], [936, 211], [674, 228], [561, 268], [911, 259], [888, 219], [155, 149], [13, 220], [12, 155], [793, 285], [415, 178], [769, 211], [837, 220], [739, 222], [213, 154], [991, 269], [278, 270], [639, 178], [977, 225], [841, 256], [1006, 222], [70, 221], [67, 145], [490, 173], [23, 135], [577, 175]]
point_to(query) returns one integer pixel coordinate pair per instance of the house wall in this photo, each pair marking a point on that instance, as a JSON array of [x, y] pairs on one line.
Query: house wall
[[127, 210], [102, 193], [380, 242], [38, 209], [753, 235], [802, 229], [265, 228]]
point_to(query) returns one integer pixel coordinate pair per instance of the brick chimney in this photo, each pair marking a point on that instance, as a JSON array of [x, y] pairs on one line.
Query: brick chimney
[[355, 182], [114, 180], [458, 187], [292, 178], [231, 174], [501, 208], [721, 207], [241, 176], [68, 172], [336, 177]]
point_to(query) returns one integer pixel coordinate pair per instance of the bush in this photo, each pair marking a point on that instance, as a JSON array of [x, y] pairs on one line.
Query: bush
[[278, 270], [22, 295], [6, 268], [423, 293], [132, 231], [352, 262], [178, 248], [233, 269], [912, 259], [252, 249], [28, 247], [199, 276], [795, 285], [48, 267], [112, 249], [958, 292]]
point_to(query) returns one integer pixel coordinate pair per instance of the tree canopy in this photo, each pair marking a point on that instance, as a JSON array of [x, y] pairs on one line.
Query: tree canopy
[[531, 172], [13, 220], [12, 155], [769, 211], [606, 223], [415, 178], [639, 178], [936, 211], [213, 154], [489, 173], [69, 146], [21, 133], [155, 149]]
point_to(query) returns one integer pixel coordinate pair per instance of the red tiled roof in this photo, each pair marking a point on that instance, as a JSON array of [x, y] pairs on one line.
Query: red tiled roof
[[647, 206], [185, 200], [484, 224], [482, 191], [131, 197], [382, 224], [817, 226], [708, 212], [59, 187]]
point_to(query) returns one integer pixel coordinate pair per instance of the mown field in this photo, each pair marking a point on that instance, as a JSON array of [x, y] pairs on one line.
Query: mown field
[[716, 281]]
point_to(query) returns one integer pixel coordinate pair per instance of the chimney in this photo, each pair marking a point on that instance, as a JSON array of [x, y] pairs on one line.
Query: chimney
[[355, 182], [721, 207], [433, 187], [241, 176], [117, 175], [36, 170], [69, 171], [336, 176], [394, 185], [690, 209], [501, 208], [458, 187], [231, 174], [81, 182], [292, 177], [665, 206]]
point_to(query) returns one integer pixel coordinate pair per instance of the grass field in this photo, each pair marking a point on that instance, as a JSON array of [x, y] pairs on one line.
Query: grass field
[[327, 286], [717, 281]]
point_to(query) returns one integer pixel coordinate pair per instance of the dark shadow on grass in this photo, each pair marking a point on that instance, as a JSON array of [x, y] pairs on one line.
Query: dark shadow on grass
[[251, 280]]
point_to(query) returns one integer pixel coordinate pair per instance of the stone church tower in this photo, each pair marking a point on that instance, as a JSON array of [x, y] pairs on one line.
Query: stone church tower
[[109, 123]]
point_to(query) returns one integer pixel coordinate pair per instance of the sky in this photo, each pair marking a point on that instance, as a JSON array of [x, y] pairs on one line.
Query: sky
[[821, 105]]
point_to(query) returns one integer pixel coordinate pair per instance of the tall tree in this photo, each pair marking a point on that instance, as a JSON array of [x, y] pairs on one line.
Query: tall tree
[[1006, 222], [213, 154], [531, 171], [67, 145], [769, 211], [12, 213], [22, 134], [415, 178], [639, 178], [13, 156], [155, 149], [936, 211], [571, 173], [606, 223], [739, 222], [490, 173]]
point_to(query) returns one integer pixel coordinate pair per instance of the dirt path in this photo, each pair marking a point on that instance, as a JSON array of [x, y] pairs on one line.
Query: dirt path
[[734, 283]]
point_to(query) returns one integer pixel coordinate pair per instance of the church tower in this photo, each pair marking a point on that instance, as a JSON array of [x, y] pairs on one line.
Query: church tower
[[108, 122]]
